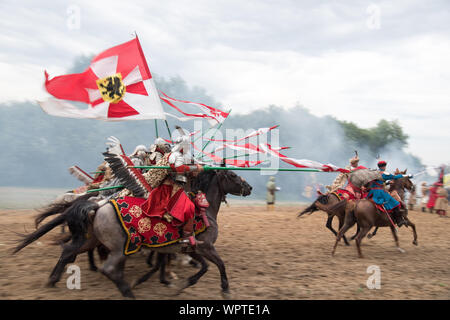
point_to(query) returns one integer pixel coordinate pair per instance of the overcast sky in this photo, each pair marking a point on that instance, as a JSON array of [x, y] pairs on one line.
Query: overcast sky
[[360, 61]]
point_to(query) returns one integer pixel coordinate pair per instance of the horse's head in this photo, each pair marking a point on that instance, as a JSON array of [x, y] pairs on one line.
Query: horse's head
[[225, 181], [233, 184], [405, 182]]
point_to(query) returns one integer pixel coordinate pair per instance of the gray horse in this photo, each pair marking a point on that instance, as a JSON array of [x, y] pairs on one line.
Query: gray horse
[[101, 223]]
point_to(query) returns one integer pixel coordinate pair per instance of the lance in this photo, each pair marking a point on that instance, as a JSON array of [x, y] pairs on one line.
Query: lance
[[105, 188], [207, 168]]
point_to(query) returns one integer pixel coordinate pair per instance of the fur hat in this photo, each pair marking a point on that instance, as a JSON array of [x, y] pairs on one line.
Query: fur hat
[[381, 163]]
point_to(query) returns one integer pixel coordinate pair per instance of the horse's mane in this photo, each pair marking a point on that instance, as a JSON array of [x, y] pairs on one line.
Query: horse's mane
[[202, 181]]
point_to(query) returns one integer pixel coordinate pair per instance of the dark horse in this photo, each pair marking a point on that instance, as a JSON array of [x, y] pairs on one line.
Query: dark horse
[[324, 202], [103, 227], [366, 215]]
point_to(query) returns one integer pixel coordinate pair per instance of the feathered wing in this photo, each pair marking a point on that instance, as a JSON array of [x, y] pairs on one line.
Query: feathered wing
[[130, 178], [114, 146], [81, 175]]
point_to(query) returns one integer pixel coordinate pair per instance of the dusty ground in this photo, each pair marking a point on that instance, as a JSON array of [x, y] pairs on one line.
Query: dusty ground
[[268, 255]]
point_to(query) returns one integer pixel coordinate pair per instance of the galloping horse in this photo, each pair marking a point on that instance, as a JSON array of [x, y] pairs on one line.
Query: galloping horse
[[104, 228], [366, 215], [324, 202]]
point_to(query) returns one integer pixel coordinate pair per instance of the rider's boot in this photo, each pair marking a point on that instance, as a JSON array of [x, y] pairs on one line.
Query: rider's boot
[[188, 238], [398, 217]]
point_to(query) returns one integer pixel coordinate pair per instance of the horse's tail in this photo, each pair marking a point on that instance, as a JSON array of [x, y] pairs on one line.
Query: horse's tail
[[313, 207], [76, 216], [60, 207], [40, 232]]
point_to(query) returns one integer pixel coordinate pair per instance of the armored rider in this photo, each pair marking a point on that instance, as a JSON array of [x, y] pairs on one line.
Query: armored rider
[[169, 200]]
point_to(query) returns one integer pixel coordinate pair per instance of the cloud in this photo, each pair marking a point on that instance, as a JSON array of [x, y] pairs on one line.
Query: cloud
[[255, 53]]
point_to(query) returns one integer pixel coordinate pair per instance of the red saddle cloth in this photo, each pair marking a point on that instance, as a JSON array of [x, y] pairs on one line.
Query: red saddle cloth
[[142, 229], [344, 194]]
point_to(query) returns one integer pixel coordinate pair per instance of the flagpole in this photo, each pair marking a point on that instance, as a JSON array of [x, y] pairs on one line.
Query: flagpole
[[167, 126], [156, 128]]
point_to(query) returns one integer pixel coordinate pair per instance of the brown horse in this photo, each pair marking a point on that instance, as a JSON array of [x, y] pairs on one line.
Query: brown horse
[[366, 215], [324, 202]]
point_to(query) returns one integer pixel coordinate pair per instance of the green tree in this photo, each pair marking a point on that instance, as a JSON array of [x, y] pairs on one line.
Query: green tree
[[376, 138]]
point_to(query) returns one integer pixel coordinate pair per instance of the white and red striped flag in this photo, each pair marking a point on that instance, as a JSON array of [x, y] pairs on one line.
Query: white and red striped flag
[[302, 163], [213, 115], [117, 86]]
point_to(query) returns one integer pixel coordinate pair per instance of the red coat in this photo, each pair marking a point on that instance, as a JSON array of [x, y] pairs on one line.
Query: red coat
[[159, 202], [433, 197]]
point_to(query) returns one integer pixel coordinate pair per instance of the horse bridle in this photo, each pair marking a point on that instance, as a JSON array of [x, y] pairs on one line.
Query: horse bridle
[[223, 174]]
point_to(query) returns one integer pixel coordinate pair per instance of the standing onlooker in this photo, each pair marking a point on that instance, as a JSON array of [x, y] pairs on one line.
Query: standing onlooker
[[425, 197], [412, 198], [270, 197], [433, 196], [441, 200]]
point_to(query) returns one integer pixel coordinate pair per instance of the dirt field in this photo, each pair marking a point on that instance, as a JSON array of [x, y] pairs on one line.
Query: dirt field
[[268, 255]]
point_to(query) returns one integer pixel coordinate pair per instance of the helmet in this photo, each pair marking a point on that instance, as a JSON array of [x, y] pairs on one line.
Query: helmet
[[181, 144]]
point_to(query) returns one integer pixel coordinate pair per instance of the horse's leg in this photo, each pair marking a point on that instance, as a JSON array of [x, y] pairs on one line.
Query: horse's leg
[[341, 223], [356, 233], [370, 235], [394, 234], [92, 265], [68, 255], [159, 260], [349, 221], [113, 269], [165, 261], [329, 224], [211, 254], [361, 234], [413, 227], [194, 279], [149, 258]]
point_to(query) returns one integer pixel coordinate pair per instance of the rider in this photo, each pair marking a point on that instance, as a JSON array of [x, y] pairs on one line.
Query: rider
[[169, 200], [379, 195], [342, 178], [157, 150]]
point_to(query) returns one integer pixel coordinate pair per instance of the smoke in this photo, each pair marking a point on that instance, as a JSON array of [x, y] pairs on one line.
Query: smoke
[[38, 149]]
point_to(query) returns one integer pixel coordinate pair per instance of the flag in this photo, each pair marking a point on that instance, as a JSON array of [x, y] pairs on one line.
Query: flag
[[302, 163], [117, 86], [231, 162], [254, 133], [213, 115]]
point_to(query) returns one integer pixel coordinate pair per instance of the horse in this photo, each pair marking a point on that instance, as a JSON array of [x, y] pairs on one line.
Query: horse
[[324, 202], [366, 215], [102, 225], [396, 190]]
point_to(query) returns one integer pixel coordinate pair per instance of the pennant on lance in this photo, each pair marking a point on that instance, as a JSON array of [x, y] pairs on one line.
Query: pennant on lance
[[255, 133], [303, 163], [117, 86], [213, 115]]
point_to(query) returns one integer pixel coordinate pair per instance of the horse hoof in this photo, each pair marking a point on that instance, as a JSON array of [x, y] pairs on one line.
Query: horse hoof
[[226, 295], [369, 236], [129, 294], [50, 284], [93, 269], [416, 243], [401, 250]]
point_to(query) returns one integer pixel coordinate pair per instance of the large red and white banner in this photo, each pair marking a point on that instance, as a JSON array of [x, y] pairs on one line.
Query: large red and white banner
[[117, 86]]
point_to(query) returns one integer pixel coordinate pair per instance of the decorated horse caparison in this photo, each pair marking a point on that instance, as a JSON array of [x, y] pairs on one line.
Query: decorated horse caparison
[[103, 225]]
